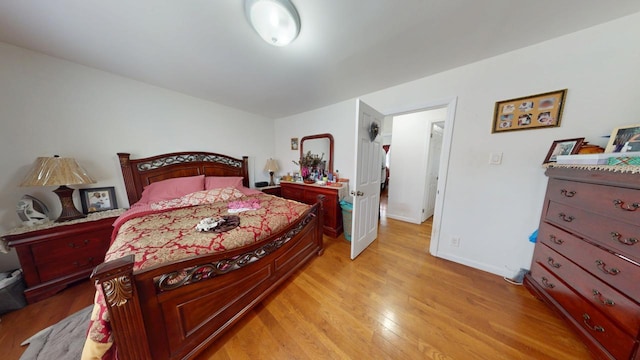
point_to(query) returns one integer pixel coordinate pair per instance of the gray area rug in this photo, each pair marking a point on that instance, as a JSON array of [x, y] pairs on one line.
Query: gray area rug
[[63, 340]]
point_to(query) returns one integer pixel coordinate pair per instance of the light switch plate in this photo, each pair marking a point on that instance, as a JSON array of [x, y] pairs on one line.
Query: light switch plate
[[495, 158]]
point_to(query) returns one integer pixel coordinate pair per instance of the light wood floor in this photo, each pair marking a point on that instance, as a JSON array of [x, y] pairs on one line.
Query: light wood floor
[[395, 301]]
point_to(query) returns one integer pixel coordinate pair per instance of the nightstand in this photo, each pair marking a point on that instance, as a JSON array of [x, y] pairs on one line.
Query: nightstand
[[56, 255], [271, 190]]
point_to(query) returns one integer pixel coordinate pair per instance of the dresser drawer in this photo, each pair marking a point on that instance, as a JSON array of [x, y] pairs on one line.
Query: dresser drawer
[[616, 202], [584, 315], [621, 236], [292, 193], [613, 270], [72, 247], [624, 311]]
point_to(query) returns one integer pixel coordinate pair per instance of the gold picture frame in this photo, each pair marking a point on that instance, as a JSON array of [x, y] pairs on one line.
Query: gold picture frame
[[529, 112], [624, 139]]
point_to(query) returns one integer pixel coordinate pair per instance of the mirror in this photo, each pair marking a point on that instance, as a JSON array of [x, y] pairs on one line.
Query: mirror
[[318, 145]]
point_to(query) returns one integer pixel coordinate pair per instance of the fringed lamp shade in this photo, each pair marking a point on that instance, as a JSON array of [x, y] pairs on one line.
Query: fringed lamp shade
[[59, 171], [271, 167]]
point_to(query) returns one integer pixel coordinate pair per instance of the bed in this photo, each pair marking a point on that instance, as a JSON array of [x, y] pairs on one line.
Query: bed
[[175, 309]]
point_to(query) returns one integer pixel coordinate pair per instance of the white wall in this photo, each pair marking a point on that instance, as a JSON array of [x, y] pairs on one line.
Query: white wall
[[337, 119], [494, 209], [50, 106]]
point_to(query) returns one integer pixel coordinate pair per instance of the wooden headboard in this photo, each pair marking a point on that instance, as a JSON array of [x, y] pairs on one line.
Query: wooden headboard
[[138, 173]]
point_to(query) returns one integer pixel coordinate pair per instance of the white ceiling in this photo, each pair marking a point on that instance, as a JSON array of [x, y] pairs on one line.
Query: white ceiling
[[346, 48]]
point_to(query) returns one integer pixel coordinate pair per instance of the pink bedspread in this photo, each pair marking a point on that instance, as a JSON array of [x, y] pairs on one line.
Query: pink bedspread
[[164, 235]]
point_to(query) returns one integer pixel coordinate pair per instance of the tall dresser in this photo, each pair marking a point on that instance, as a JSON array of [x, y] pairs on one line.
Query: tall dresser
[[586, 263]]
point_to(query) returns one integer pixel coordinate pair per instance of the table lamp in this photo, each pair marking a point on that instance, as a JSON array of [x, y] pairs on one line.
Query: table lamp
[[271, 167], [52, 171]]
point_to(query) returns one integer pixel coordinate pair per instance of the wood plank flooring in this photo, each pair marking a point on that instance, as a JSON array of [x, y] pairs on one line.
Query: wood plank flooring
[[395, 301]]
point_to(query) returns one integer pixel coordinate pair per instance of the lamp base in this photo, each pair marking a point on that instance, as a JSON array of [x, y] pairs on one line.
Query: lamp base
[[69, 211], [271, 183]]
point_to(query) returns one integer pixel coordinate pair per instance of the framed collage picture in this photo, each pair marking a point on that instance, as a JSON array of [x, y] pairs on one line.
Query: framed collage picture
[[529, 112]]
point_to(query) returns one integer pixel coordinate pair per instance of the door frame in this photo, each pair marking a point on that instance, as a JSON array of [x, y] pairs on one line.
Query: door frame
[[429, 168]]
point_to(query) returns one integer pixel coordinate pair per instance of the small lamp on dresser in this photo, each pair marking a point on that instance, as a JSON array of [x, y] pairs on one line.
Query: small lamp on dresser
[[271, 167], [59, 171]]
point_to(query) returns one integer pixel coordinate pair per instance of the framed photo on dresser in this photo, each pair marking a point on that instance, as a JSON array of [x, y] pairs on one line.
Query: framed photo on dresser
[[563, 147], [98, 199]]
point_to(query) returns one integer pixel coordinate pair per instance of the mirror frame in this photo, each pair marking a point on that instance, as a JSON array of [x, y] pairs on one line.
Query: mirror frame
[[320, 136]]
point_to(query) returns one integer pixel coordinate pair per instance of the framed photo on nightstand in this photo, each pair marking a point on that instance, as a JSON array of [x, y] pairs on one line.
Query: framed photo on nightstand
[[98, 199]]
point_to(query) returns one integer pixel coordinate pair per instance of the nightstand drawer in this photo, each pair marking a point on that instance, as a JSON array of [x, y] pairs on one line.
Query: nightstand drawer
[[73, 247], [57, 269], [272, 190]]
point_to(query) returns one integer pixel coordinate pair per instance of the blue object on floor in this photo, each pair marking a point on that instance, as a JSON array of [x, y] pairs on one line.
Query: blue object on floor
[[534, 236]]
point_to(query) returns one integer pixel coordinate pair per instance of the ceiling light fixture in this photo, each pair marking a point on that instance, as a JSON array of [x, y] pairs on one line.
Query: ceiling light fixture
[[276, 21]]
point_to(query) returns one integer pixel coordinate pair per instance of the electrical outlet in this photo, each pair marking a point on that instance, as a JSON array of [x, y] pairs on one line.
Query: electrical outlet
[[455, 242]]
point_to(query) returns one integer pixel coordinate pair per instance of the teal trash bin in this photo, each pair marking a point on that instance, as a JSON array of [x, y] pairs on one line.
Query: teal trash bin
[[347, 211]]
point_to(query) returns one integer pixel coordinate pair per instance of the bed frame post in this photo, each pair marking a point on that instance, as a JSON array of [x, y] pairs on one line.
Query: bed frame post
[[127, 176], [121, 296], [245, 171], [320, 227]]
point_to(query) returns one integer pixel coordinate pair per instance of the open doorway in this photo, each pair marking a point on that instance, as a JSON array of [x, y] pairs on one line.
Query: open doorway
[[416, 146], [414, 188]]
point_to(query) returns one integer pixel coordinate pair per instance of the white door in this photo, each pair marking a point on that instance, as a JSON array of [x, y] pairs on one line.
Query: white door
[[366, 190], [433, 164]]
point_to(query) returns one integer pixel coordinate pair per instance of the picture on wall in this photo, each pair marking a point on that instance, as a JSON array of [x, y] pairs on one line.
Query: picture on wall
[[624, 139], [294, 143], [563, 147], [529, 112], [98, 199]]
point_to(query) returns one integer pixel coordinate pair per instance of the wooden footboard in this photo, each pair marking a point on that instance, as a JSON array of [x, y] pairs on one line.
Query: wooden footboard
[[176, 310]]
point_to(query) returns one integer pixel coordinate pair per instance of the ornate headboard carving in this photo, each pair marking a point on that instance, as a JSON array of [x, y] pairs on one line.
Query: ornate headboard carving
[[138, 173]]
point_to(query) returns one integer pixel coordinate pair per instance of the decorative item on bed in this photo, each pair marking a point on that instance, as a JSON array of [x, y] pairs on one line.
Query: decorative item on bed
[[197, 250]]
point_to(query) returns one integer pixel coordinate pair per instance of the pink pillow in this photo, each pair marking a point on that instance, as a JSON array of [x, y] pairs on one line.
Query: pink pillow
[[172, 188], [221, 182]]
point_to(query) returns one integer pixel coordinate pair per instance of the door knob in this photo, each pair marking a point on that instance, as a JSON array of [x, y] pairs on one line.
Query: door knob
[[357, 193]]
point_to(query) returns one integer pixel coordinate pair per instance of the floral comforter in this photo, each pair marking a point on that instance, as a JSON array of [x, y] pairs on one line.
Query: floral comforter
[[159, 233]]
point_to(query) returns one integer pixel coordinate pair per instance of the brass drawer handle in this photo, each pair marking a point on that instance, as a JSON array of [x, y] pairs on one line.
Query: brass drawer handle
[[567, 193], [603, 267], [617, 236], [546, 283], [566, 218], [555, 240], [553, 263], [598, 296], [621, 205], [75, 246], [586, 319]]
